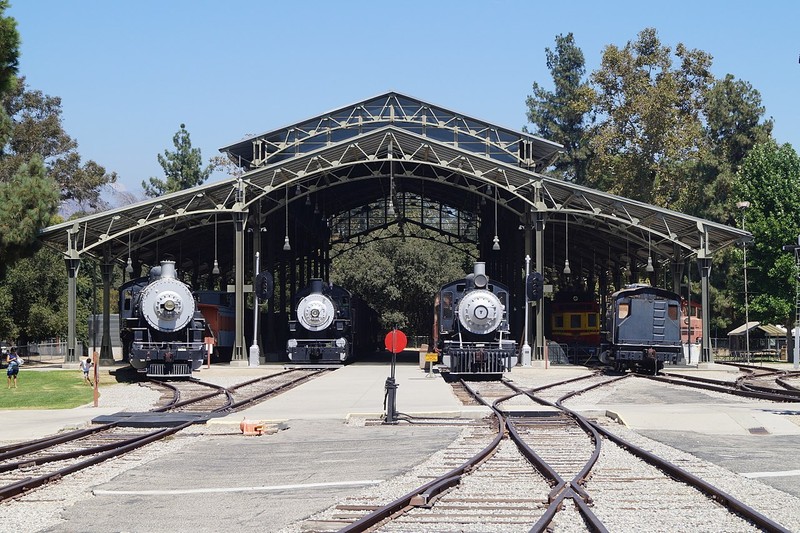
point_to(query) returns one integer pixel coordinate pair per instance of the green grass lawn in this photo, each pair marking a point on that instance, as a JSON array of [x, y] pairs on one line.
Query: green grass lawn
[[48, 389]]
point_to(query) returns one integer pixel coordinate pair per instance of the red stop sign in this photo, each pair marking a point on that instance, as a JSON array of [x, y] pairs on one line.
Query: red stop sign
[[395, 341]]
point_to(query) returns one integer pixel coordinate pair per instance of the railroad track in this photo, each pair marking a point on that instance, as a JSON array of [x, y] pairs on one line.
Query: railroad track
[[539, 466], [28, 465], [763, 384]]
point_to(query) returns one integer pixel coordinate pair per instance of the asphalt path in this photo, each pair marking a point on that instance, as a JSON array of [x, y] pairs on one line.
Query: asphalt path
[[232, 482]]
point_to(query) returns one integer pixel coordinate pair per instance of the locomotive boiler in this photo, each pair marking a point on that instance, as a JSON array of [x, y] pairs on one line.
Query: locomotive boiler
[[161, 327], [330, 326], [472, 331], [642, 329]]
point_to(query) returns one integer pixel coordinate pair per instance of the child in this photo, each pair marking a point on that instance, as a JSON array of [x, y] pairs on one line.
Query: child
[[86, 366], [13, 367]]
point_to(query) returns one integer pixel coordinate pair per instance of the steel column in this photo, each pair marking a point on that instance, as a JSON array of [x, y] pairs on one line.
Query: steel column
[[106, 355], [239, 357], [704, 264], [73, 265]]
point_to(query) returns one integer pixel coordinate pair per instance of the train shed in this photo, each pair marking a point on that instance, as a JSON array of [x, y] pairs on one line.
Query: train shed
[[304, 192]]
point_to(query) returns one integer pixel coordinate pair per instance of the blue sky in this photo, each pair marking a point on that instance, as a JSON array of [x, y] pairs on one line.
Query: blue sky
[[130, 72]]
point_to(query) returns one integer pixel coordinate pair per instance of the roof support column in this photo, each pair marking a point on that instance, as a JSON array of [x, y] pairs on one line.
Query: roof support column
[[106, 355], [239, 358], [73, 265], [704, 264], [526, 349], [538, 354]]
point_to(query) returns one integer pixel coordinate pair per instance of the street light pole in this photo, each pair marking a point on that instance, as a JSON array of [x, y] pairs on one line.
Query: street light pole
[[795, 248], [743, 206]]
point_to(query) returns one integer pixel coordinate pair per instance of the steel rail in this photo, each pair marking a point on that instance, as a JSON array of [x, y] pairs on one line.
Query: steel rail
[[731, 503], [176, 394], [786, 385], [27, 484], [423, 495], [777, 397], [40, 444], [574, 490], [106, 451], [791, 390], [7, 467], [235, 405]]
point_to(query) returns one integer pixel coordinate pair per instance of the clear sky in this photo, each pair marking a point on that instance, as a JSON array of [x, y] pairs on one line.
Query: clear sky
[[130, 72]]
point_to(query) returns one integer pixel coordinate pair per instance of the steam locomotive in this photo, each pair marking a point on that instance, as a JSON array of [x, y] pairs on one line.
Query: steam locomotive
[[471, 327], [642, 329], [161, 326], [330, 326]]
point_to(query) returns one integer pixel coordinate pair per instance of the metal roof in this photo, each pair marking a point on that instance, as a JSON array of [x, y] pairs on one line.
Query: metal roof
[[345, 158]]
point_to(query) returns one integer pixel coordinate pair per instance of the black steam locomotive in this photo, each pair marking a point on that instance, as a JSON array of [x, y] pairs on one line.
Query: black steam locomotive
[[331, 326], [161, 327], [471, 327], [642, 329]]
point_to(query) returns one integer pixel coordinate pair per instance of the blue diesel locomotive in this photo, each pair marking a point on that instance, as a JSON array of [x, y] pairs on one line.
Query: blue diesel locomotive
[[642, 329]]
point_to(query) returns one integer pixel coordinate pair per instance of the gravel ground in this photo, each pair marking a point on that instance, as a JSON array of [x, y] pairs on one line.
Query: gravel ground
[[42, 508]]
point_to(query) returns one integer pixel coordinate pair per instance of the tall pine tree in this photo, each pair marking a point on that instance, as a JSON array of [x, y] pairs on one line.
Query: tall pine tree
[[183, 168]]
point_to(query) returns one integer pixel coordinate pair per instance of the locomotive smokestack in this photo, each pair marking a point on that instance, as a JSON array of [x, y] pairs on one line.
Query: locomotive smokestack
[[317, 286], [480, 279], [168, 269]]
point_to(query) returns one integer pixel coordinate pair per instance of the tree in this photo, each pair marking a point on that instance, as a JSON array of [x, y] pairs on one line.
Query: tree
[[37, 130], [183, 168], [39, 168], [399, 277], [770, 180], [29, 200], [9, 63], [565, 115], [649, 121], [31, 293], [734, 125]]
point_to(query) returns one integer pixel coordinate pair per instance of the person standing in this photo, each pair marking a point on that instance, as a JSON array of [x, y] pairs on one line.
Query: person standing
[[12, 359], [86, 366]]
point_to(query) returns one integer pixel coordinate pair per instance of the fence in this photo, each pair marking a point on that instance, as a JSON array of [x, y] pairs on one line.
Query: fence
[[52, 352]]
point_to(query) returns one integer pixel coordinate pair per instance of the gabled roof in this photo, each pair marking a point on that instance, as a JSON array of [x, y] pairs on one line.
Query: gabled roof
[[346, 157], [770, 330], [408, 113]]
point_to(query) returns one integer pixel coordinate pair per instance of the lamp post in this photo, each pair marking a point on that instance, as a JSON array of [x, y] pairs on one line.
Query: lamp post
[[743, 206], [795, 248]]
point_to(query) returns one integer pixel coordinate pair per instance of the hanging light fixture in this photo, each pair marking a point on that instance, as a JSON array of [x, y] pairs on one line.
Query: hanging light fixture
[[496, 245], [649, 267], [215, 270], [297, 190], [390, 207], [626, 270], [129, 266], [286, 245], [567, 269]]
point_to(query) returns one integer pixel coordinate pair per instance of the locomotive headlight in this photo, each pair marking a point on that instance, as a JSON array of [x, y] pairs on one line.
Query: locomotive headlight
[[169, 305], [341, 342], [292, 343]]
